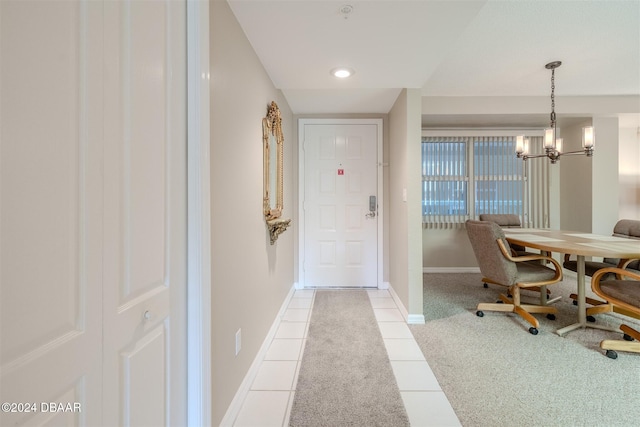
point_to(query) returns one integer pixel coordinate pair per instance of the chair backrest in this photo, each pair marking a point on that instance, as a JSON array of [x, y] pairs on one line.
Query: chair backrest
[[629, 228], [484, 236], [503, 220]]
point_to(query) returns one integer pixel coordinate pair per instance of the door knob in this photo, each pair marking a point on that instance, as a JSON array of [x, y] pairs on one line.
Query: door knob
[[373, 207]]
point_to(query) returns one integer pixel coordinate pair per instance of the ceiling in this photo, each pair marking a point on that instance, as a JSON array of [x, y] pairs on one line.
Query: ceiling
[[445, 48]]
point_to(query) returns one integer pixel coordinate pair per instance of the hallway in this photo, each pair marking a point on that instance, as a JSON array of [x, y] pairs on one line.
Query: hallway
[[269, 400]]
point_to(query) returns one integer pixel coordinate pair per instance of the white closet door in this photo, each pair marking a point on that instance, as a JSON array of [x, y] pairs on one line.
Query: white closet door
[[51, 219], [145, 213]]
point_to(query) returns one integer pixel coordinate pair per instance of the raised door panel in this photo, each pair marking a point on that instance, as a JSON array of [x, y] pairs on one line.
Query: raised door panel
[[51, 200]]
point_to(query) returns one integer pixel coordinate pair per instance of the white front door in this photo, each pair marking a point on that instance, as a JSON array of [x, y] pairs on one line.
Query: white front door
[[92, 223], [341, 206]]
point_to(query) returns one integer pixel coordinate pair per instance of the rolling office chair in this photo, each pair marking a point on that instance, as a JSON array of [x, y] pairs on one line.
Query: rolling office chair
[[498, 266], [618, 293], [625, 228], [509, 221]]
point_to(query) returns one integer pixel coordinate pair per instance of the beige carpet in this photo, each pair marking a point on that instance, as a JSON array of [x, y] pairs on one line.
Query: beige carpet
[[345, 377], [495, 373]]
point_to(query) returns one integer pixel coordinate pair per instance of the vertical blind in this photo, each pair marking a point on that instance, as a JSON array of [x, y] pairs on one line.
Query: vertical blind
[[498, 176], [445, 181], [463, 177], [537, 196]]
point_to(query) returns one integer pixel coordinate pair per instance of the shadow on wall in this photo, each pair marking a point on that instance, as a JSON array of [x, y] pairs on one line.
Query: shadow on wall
[[629, 196]]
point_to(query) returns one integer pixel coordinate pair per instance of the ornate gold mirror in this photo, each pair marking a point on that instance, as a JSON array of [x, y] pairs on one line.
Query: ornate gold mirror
[[273, 145]]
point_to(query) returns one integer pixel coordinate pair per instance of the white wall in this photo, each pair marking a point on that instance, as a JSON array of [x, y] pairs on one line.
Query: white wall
[[250, 278]]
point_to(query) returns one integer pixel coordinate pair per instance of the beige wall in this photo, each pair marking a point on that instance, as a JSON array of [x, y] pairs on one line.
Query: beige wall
[[250, 278], [405, 237], [604, 177], [575, 183], [447, 250]]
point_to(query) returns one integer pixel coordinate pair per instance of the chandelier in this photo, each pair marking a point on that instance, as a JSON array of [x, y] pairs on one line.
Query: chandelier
[[553, 144]]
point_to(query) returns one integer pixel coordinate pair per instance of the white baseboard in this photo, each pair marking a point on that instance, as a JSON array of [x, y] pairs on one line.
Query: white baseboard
[[416, 319], [384, 285], [396, 299], [451, 270], [412, 319], [236, 404]]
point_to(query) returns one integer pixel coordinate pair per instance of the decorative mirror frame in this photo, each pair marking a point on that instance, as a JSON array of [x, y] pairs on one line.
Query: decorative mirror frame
[[272, 132]]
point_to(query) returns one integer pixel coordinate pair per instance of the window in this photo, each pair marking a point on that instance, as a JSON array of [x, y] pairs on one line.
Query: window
[[444, 183], [463, 177], [498, 177]]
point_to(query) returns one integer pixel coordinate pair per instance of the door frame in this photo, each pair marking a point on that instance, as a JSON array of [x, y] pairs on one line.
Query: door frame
[[199, 396], [300, 284]]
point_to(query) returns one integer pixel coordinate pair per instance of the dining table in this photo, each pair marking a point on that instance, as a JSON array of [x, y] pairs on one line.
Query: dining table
[[582, 245]]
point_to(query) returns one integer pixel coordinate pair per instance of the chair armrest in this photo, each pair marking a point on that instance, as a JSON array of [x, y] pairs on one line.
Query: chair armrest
[[620, 273], [623, 265], [625, 262], [525, 258]]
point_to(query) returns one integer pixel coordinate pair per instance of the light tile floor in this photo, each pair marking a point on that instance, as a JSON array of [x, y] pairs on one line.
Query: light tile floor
[[269, 400]]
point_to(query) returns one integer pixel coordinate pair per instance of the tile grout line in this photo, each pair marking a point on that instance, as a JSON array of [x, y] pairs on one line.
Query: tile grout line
[[287, 415], [438, 392]]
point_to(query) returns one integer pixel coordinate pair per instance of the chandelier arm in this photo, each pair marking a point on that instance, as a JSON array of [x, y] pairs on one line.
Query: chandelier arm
[[577, 153], [532, 156]]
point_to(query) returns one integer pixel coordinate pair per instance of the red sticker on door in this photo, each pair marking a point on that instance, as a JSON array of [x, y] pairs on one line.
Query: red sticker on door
[[340, 171]]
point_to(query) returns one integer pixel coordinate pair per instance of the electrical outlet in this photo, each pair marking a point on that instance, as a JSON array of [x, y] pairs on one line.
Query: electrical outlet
[[238, 341]]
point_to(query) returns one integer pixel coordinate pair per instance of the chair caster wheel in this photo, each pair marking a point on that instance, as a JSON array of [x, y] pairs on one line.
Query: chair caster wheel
[[485, 285], [591, 319], [479, 313], [551, 316], [612, 354], [533, 331], [627, 337]]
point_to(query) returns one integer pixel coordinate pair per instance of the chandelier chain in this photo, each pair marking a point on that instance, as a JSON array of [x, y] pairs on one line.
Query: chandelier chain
[[553, 98]]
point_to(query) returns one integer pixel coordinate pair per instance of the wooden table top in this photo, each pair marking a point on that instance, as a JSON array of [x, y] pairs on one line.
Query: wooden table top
[[574, 242]]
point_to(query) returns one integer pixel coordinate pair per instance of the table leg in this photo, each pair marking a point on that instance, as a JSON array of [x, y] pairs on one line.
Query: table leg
[[582, 304]]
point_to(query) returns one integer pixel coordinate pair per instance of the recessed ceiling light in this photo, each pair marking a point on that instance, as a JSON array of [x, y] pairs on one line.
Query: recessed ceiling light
[[342, 72]]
